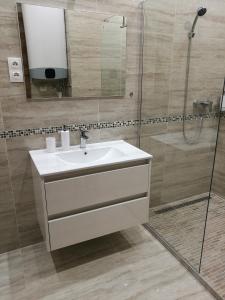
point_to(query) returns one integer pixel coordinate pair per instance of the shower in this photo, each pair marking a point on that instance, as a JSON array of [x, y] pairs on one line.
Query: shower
[[185, 213], [200, 12]]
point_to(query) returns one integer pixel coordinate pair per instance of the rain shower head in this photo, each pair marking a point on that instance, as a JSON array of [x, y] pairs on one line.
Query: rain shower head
[[201, 11]]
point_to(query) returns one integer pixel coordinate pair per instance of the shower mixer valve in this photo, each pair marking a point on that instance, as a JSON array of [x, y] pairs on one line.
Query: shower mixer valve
[[202, 106]]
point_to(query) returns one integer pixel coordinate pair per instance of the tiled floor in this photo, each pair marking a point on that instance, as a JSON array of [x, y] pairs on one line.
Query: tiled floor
[[213, 261], [127, 265], [183, 229]]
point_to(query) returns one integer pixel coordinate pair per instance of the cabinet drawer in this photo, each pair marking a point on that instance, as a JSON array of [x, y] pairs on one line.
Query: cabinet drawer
[[88, 225], [89, 190]]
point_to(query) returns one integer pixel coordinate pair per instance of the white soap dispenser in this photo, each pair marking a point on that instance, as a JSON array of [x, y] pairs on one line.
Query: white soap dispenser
[[65, 140]]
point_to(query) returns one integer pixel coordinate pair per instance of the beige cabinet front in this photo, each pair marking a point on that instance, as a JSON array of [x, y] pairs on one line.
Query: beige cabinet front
[[76, 193], [95, 223]]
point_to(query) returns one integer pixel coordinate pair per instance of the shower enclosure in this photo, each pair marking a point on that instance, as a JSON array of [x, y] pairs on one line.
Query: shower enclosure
[[183, 67]]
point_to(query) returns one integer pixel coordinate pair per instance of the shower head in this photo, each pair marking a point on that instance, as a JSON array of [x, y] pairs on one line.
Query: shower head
[[201, 11], [115, 21]]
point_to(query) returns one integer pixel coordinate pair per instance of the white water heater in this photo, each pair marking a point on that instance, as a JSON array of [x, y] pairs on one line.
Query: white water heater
[[46, 41]]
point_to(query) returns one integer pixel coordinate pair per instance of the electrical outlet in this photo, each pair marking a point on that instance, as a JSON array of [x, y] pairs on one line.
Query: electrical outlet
[[15, 69], [16, 76]]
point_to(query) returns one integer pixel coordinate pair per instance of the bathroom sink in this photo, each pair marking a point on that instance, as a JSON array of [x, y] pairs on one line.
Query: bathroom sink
[[93, 156], [83, 156]]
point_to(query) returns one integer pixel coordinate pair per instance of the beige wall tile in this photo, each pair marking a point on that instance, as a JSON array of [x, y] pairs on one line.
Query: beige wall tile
[[1, 117], [8, 223], [157, 149], [218, 186], [48, 113], [16, 112], [116, 110], [124, 133]]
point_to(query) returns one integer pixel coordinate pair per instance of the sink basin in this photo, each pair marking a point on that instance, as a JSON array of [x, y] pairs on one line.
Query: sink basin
[[95, 155], [84, 156]]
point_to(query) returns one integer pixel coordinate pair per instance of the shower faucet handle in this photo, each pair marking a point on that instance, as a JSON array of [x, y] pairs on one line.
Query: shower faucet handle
[[203, 106]]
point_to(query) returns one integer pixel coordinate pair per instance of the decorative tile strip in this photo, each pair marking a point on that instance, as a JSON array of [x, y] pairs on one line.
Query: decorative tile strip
[[7, 134]]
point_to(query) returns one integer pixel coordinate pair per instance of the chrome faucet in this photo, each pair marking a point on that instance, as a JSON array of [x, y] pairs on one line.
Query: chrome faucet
[[83, 138]]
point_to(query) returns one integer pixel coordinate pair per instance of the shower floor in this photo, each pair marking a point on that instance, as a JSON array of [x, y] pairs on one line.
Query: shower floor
[[183, 229], [213, 260]]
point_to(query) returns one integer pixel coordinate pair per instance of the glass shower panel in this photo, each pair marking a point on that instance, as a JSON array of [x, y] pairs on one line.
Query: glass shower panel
[[178, 68], [213, 258]]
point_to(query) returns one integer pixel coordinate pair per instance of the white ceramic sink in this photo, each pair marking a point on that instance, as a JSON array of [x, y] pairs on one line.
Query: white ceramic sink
[[95, 155], [84, 156]]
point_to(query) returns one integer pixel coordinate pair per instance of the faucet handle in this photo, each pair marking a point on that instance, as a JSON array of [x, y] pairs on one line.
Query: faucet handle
[[83, 133]]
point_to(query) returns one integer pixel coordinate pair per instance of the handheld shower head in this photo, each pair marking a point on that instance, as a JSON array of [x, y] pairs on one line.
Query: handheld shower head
[[201, 11]]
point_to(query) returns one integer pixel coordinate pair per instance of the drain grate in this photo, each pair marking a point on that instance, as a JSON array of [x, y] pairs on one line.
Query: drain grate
[[167, 209]]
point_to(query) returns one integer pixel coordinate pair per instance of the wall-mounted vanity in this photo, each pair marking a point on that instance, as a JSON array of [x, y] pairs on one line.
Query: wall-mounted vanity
[[82, 194], [71, 53]]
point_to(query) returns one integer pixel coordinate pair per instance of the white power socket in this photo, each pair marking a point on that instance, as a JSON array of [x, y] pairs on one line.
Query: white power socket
[[15, 69]]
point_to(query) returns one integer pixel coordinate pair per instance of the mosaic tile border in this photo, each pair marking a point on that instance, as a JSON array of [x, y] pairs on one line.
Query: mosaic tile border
[[8, 134]]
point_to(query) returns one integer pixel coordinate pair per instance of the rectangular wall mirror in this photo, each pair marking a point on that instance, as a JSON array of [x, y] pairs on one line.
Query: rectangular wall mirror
[[72, 53]]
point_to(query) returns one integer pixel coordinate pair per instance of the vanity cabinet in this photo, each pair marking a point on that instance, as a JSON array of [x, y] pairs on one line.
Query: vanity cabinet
[[80, 205]]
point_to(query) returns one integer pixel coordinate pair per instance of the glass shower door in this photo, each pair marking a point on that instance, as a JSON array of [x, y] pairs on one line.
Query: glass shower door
[[212, 266], [179, 112]]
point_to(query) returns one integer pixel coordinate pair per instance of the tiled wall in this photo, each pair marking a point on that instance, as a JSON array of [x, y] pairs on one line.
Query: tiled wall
[[163, 87], [181, 172], [18, 224], [219, 173]]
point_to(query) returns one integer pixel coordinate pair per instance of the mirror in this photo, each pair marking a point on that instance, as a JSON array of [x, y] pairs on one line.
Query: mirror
[[72, 53], [113, 55]]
